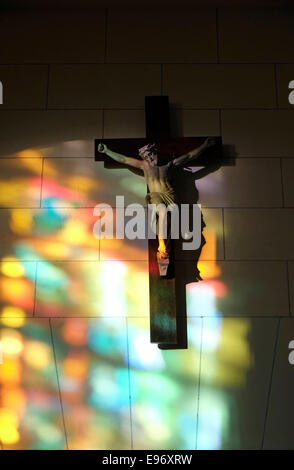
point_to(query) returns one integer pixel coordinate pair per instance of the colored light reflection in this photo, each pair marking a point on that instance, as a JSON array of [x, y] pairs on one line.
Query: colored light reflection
[[29, 390], [108, 370], [12, 316], [37, 354], [11, 342], [12, 268], [8, 426]]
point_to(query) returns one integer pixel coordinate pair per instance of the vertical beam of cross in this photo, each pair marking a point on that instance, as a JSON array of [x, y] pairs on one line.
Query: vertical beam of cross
[[163, 321]]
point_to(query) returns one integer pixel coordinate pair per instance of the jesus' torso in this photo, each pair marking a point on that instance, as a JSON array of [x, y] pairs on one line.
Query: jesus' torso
[[157, 177]]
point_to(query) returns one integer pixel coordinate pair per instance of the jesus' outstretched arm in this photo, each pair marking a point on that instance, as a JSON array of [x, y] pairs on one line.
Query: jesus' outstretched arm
[[102, 148], [186, 159]]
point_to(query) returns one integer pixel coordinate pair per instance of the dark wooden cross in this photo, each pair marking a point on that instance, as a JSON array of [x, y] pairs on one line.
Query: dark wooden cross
[[167, 309]]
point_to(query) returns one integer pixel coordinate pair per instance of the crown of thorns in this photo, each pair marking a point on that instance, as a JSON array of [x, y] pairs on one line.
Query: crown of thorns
[[149, 147]]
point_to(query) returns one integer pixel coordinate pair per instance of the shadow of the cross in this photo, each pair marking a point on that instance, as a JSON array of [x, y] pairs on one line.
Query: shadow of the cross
[[186, 261]]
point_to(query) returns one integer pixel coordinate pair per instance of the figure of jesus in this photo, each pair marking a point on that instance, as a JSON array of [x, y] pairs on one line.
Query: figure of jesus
[[157, 177]]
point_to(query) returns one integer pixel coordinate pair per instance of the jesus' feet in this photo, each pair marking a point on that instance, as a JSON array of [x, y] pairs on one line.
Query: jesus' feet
[[162, 255]]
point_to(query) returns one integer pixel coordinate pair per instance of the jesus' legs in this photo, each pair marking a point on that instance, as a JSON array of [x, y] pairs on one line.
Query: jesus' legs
[[162, 220]]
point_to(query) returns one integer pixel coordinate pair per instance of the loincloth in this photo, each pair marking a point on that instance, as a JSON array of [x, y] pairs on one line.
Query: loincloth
[[168, 197]]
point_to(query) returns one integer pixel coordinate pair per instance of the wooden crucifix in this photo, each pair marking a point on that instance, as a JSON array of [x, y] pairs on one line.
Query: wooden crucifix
[[157, 158]]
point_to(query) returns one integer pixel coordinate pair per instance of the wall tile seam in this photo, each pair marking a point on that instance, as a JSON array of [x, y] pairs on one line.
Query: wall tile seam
[[140, 108], [106, 34], [259, 208], [74, 107], [269, 391], [47, 87], [63, 107], [62, 407], [9, 64]]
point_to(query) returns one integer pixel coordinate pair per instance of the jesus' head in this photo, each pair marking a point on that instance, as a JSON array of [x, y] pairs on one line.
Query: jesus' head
[[149, 153]]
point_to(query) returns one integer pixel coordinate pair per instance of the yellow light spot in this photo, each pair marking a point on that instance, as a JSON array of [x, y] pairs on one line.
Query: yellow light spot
[[8, 426], [10, 371], [37, 354], [209, 269], [30, 153], [11, 342], [33, 164], [12, 267], [74, 232], [210, 247], [55, 249], [12, 316], [21, 221], [14, 289], [9, 435], [11, 192], [81, 183], [8, 417]]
